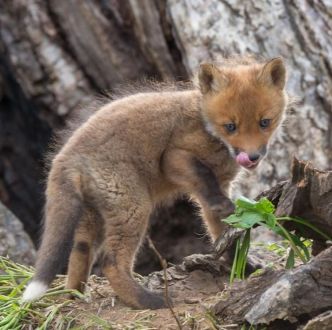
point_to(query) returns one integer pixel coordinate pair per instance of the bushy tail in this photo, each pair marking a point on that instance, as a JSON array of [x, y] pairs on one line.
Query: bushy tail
[[62, 215]]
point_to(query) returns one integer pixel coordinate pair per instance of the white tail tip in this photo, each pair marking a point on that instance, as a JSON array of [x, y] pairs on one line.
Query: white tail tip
[[34, 290]]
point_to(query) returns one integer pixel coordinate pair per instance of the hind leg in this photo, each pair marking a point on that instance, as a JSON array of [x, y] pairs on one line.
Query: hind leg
[[81, 257]]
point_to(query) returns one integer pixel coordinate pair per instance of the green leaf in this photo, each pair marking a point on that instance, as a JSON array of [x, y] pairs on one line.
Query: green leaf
[[264, 205], [301, 245], [245, 221], [271, 220], [239, 210], [250, 218], [249, 213], [293, 245], [241, 256], [235, 261], [245, 203], [308, 243], [233, 219], [290, 263]]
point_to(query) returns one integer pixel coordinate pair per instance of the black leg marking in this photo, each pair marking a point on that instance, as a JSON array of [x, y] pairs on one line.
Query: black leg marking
[[82, 247]]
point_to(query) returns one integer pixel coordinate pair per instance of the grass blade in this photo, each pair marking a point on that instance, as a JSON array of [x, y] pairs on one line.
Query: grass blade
[[235, 261], [290, 259], [291, 242], [307, 224]]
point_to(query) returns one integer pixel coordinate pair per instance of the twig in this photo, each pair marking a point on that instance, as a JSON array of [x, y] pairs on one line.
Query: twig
[[164, 266]]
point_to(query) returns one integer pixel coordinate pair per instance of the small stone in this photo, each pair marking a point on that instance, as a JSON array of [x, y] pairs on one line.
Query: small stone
[[191, 300]]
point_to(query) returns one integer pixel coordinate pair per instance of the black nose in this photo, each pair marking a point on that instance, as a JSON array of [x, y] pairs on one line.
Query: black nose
[[254, 157]]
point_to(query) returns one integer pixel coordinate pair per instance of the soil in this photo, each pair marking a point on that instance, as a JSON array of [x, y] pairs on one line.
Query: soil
[[195, 287], [191, 296]]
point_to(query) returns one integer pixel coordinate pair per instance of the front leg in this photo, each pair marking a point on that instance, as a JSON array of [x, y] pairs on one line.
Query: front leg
[[194, 177], [214, 203]]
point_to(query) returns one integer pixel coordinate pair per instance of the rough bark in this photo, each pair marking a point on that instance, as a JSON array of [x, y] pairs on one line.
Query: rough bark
[[298, 30], [321, 322], [291, 295], [308, 195], [55, 56], [297, 294]]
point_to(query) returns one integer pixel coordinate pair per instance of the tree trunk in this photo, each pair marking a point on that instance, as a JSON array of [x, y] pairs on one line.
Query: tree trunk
[[52, 63], [57, 55]]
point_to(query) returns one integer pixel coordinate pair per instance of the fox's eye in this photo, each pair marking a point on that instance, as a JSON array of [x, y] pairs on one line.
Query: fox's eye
[[230, 127], [264, 123]]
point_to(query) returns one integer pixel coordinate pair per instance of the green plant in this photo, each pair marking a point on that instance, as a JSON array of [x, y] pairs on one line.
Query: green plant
[[249, 213], [13, 314]]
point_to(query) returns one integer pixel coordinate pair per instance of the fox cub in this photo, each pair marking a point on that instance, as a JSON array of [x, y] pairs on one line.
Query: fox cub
[[138, 151]]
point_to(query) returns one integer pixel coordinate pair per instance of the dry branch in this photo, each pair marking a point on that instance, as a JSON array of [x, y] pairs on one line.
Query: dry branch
[[163, 264]]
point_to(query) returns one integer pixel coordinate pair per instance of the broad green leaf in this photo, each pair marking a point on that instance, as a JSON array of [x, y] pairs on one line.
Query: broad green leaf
[[239, 210], [270, 220], [233, 219], [249, 219], [249, 213], [245, 203], [264, 205], [246, 220]]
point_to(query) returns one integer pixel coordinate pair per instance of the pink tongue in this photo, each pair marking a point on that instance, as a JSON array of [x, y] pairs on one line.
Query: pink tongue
[[243, 159]]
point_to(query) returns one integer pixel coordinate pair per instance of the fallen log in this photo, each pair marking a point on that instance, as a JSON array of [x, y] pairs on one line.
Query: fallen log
[[283, 295], [308, 195], [306, 291]]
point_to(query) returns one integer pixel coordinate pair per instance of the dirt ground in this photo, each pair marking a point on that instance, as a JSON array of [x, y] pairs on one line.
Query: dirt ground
[[191, 296], [194, 286]]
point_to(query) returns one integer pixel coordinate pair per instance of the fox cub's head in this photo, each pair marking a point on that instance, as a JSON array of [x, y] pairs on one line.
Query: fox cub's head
[[243, 105]]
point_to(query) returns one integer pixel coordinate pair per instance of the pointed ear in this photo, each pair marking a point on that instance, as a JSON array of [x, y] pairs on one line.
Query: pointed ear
[[273, 73], [211, 79]]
